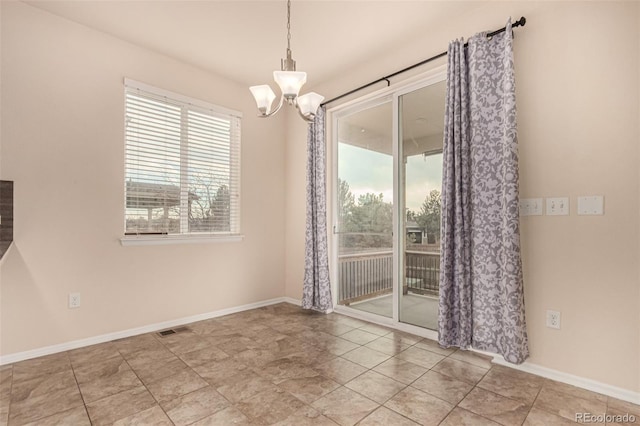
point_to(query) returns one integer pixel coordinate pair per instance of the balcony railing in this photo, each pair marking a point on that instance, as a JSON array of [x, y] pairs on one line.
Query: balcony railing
[[422, 272], [367, 275], [364, 275]]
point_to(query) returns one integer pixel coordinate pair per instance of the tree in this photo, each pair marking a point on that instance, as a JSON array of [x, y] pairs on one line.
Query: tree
[[209, 203], [372, 219], [221, 209], [429, 216], [346, 204], [373, 213], [365, 223]]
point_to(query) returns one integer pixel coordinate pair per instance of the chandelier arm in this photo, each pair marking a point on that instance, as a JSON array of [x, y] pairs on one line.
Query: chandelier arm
[[309, 119], [275, 110]]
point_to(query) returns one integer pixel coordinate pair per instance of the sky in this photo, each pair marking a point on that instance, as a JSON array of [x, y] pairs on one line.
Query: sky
[[370, 171]]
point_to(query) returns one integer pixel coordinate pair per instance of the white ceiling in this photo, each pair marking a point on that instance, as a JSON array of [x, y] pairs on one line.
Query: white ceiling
[[422, 123], [244, 40]]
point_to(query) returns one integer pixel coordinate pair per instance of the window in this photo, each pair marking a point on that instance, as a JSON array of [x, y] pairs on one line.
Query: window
[[182, 166]]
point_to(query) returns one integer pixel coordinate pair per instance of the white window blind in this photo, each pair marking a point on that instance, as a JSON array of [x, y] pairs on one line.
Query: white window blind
[[182, 165]]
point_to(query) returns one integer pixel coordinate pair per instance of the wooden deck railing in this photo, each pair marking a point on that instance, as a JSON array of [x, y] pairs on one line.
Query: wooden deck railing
[[422, 272], [366, 275]]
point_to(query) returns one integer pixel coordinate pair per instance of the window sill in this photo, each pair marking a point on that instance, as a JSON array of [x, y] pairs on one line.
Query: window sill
[[155, 240]]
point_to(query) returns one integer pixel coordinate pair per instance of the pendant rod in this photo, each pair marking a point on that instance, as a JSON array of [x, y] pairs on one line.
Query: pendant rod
[[519, 23]]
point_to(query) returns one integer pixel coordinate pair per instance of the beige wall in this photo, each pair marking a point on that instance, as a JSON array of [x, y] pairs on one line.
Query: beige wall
[[295, 207], [580, 137], [577, 74], [62, 144]]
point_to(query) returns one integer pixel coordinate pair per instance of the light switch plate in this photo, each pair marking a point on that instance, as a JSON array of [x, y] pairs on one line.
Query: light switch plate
[[591, 205], [531, 207], [74, 300], [557, 206]]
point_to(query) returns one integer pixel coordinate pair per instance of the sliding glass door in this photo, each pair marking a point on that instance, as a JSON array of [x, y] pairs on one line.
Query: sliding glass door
[[421, 125], [364, 226], [387, 195]]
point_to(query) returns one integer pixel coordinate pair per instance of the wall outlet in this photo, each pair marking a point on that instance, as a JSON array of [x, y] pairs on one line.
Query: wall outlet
[[74, 300], [553, 319]]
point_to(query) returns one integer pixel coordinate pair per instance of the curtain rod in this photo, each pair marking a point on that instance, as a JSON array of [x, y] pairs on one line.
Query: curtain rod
[[519, 23]]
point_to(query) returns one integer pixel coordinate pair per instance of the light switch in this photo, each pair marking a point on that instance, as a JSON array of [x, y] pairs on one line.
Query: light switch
[[558, 206], [531, 207], [591, 205]]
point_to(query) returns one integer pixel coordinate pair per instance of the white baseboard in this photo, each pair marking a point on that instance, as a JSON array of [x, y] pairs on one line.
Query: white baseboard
[[570, 379], [75, 344], [293, 301]]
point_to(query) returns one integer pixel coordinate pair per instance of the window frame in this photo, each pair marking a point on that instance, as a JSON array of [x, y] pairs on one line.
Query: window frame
[[187, 104]]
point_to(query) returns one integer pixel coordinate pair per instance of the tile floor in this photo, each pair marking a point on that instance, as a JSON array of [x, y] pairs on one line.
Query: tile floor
[[282, 365]]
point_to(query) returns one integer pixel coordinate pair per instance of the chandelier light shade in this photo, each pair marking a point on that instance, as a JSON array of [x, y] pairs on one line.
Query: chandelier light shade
[[308, 104], [290, 82], [264, 97]]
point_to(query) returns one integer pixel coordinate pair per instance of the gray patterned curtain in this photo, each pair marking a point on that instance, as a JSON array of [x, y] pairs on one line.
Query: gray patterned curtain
[[481, 289], [316, 292]]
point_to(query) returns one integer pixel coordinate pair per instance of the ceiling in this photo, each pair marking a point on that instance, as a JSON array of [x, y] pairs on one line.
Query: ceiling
[[421, 123], [244, 40]]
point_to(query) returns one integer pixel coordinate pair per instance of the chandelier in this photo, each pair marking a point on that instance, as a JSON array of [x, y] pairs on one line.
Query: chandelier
[[290, 82]]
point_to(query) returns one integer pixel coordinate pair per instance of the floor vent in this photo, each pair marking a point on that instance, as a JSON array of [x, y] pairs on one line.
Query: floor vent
[[171, 331]]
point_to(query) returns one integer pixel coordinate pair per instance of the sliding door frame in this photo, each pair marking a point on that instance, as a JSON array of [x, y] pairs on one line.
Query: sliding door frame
[[335, 114], [371, 100]]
